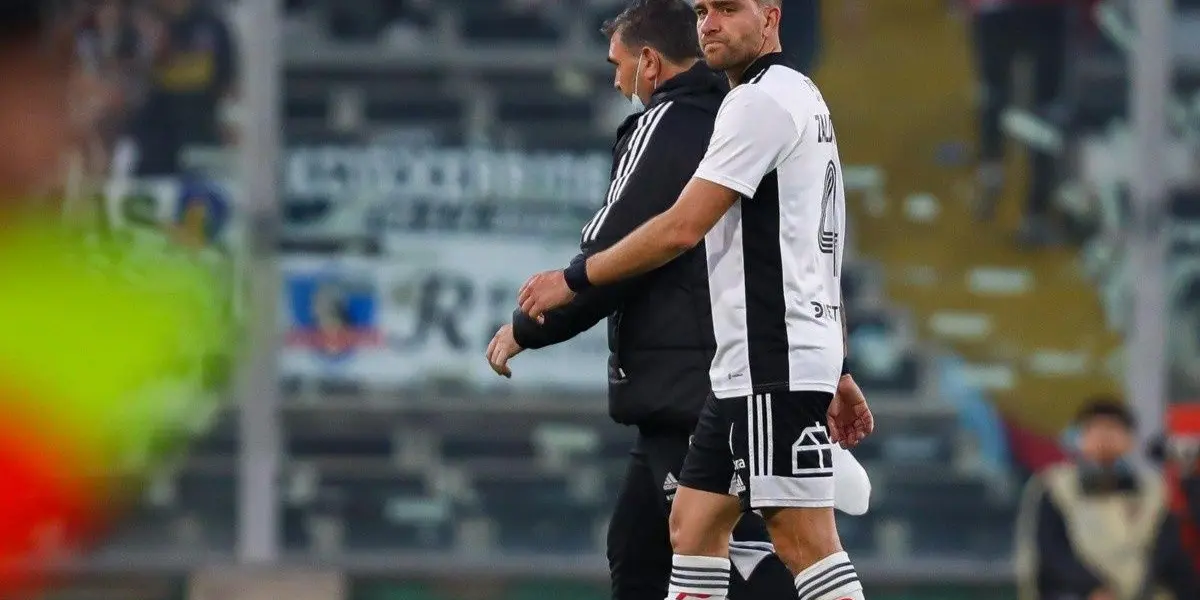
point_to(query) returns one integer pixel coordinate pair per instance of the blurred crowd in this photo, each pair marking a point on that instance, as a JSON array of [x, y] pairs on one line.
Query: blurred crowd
[[1028, 56], [159, 76]]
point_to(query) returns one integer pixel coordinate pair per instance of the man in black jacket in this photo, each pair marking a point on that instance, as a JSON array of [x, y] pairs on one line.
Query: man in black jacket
[[659, 325]]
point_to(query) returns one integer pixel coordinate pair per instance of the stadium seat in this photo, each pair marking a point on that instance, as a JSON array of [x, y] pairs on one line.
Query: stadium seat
[[493, 24], [922, 437], [534, 512], [551, 590], [394, 590]]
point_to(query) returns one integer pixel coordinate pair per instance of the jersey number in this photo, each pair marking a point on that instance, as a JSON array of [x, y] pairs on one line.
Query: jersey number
[[830, 231]]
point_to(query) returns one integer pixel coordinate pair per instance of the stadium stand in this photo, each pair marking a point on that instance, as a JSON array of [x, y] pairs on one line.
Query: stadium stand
[[951, 334], [444, 467]]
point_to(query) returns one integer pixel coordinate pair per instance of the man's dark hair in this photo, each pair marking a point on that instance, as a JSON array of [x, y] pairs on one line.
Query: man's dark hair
[[1108, 408], [668, 26]]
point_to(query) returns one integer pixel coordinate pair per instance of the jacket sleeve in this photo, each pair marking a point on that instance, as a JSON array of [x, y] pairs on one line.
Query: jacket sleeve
[[665, 146], [566, 322], [1059, 569], [1171, 563]]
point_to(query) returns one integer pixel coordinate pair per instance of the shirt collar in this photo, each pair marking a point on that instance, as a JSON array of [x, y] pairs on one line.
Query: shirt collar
[[761, 64]]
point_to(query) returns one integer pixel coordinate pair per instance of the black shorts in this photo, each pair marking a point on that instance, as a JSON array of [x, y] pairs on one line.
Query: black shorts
[[771, 450], [639, 541]]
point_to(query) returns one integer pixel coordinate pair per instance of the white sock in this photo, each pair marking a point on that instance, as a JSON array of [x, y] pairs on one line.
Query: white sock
[[698, 577], [832, 578]]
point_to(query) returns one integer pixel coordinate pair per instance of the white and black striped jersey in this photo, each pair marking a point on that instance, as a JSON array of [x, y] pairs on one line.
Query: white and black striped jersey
[[775, 259]]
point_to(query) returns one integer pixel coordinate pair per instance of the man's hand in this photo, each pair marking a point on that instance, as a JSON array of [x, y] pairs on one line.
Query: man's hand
[[1102, 594], [849, 418], [503, 347], [545, 291]]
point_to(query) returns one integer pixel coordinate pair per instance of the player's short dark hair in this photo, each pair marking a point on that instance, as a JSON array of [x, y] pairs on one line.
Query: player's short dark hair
[[668, 26], [1106, 408]]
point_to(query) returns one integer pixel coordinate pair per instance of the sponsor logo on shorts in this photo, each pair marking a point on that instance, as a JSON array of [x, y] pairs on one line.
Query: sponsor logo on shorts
[[670, 485], [736, 486]]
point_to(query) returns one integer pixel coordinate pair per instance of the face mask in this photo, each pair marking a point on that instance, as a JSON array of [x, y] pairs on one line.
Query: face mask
[[636, 101]]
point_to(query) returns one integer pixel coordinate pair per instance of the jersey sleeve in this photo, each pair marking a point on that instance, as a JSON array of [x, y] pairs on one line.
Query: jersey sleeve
[[752, 133]]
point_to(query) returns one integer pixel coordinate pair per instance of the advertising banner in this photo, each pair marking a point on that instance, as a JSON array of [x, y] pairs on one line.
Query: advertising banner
[[346, 194], [424, 313]]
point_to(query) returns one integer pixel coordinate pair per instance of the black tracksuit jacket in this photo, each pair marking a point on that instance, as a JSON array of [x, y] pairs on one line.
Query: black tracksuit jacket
[[660, 332]]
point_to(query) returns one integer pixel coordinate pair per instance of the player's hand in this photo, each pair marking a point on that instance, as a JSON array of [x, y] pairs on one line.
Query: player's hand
[[1102, 594], [849, 418], [503, 347], [545, 291]]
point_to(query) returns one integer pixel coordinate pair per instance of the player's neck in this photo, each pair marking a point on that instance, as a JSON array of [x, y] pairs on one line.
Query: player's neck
[[735, 74]]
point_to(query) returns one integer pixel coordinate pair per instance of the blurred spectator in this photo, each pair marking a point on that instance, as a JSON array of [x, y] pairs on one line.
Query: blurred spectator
[[191, 100], [1099, 528], [113, 71], [1004, 32]]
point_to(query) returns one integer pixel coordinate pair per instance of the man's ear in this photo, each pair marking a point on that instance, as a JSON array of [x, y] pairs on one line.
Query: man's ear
[[653, 62]]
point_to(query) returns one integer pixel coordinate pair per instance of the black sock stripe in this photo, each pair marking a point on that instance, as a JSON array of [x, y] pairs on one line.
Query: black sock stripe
[[825, 577], [700, 578], [700, 586], [830, 569], [833, 586], [699, 570]]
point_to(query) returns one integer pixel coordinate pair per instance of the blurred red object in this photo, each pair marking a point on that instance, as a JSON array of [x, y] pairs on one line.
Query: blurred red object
[[47, 502], [1183, 421], [1031, 450]]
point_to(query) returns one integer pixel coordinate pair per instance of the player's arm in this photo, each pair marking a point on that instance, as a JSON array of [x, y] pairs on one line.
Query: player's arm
[[672, 145], [751, 132], [566, 322]]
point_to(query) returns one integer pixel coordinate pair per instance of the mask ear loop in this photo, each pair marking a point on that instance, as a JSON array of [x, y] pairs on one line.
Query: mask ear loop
[[763, 44]]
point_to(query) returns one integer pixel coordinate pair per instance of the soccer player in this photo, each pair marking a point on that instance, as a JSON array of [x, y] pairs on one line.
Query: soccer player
[[767, 201], [659, 323]]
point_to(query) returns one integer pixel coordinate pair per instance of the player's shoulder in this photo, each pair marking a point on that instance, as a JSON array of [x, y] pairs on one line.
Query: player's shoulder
[[784, 81], [778, 86], [751, 101]]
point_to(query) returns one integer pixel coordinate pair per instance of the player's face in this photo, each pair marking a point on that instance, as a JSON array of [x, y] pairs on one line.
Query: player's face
[[733, 33], [1105, 440]]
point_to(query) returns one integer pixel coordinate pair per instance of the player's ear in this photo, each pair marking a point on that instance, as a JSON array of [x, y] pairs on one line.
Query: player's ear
[[772, 15]]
